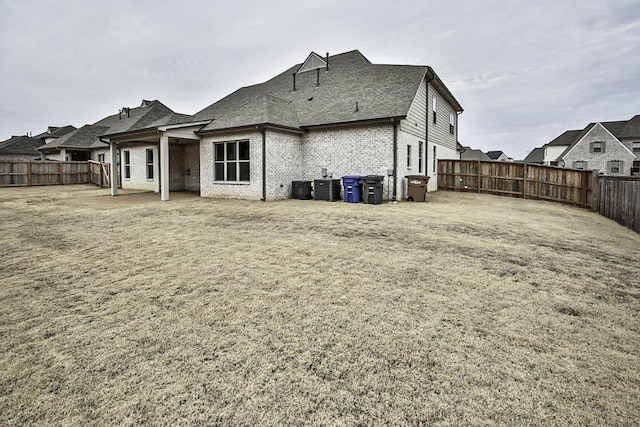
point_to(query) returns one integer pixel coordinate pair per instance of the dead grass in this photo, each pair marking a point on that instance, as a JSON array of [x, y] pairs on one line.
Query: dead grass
[[466, 310]]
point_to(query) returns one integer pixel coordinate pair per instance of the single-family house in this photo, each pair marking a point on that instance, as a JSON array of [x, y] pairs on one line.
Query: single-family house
[[332, 115], [469, 153], [613, 148], [498, 156], [25, 147]]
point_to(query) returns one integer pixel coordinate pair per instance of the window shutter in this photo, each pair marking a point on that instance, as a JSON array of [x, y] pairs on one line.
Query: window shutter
[[603, 145], [591, 147], [584, 165]]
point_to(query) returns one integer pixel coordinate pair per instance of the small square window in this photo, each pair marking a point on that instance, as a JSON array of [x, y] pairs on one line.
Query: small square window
[[614, 166], [636, 147], [579, 164], [597, 147]]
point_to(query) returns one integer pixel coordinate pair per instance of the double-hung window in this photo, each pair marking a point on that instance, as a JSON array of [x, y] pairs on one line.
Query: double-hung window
[[597, 147], [435, 160], [231, 161], [435, 109], [614, 166], [636, 147], [579, 164], [420, 157], [149, 164], [408, 157], [127, 164], [452, 123], [101, 158]]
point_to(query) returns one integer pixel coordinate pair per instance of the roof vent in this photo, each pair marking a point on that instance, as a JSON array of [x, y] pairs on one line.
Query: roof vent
[[124, 110]]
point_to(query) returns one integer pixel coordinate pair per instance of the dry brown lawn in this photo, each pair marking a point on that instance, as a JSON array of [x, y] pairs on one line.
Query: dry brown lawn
[[466, 310]]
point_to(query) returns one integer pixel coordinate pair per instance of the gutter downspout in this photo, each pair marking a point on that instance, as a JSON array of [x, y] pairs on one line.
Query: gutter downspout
[[263, 131], [426, 124], [395, 160]]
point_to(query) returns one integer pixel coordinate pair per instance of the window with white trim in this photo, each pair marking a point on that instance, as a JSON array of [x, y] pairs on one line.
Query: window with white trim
[[420, 157], [435, 161], [614, 166], [231, 161], [635, 147], [101, 158], [435, 108], [127, 164], [408, 157], [452, 123], [149, 163]]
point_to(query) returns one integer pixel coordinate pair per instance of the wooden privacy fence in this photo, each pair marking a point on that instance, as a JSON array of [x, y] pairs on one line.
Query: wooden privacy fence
[[619, 200], [556, 184], [26, 174]]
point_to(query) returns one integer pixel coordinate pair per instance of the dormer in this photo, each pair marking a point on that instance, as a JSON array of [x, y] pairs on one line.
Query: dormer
[[314, 62]]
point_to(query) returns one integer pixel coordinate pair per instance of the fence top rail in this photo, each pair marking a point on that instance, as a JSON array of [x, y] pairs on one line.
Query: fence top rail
[[47, 162], [619, 178]]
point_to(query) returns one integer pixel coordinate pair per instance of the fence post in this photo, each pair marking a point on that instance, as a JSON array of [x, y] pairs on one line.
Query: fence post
[[524, 181], [595, 191], [60, 173], [479, 179], [28, 174]]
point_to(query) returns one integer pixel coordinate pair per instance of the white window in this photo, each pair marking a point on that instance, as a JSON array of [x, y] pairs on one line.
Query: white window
[[614, 166], [452, 123], [420, 157], [149, 163], [127, 164], [101, 158], [636, 147], [435, 161], [435, 108], [408, 157], [231, 161]]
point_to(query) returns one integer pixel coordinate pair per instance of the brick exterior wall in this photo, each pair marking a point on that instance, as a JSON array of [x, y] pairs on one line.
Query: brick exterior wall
[[176, 168], [191, 167], [284, 163], [138, 159], [613, 150], [231, 190]]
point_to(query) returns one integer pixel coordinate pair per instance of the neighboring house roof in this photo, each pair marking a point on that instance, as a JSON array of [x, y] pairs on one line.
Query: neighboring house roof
[[631, 129], [567, 138], [535, 156], [56, 132], [380, 91], [23, 145], [495, 155], [472, 154], [149, 114]]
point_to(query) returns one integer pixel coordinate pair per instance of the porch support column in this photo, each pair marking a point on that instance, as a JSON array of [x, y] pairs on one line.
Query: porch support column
[[63, 155], [164, 168], [113, 178]]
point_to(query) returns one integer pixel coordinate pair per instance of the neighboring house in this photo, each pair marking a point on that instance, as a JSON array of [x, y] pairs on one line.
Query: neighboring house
[[340, 114], [85, 144], [498, 156], [25, 148], [536, 156], [473, 154], [613, 148]]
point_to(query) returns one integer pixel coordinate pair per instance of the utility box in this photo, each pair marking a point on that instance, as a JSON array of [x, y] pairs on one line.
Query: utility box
[[326, 189], [417, 188], [372, 189], [352, 188], [301, 190]]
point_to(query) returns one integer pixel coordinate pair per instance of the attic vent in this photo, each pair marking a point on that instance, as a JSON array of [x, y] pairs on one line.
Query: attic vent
[[313, 62], [145, 103]]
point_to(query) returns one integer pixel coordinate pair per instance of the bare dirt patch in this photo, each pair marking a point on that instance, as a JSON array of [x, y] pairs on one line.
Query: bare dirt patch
[[469, 309]]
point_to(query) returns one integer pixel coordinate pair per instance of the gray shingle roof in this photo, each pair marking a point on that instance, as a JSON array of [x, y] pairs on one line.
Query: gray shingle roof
[[21, 145], [473, 154], [56, 132], [535, 156], [265, 109], [567, 138], [493, 155], [381, 91], [80, 138]]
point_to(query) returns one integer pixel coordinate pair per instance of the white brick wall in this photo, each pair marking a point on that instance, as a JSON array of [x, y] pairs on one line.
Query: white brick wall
[[284, 163], [613, 150], [192, 167], [231, 190], [138, 158]]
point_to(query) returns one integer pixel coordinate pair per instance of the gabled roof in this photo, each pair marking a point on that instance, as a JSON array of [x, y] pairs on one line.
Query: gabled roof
[[566, 138], [21, 145], [631, 129], [381, 91], [56, 132], [313, 62], [149, 114], [263, 110], [469, 153], [494, 155], [535, 156]]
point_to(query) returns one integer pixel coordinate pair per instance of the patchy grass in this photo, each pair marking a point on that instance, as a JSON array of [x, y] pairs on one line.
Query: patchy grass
[[469, 309]]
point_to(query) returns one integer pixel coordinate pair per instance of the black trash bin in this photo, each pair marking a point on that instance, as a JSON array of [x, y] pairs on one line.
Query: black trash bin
[[327, 189], [417, 188], [301, 190], [372, 189]]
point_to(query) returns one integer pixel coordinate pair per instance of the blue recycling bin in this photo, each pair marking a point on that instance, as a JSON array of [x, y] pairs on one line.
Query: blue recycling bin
[[352, 188]]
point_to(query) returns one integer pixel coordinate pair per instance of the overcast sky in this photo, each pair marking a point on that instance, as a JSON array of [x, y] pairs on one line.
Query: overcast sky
[[523, 71]]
